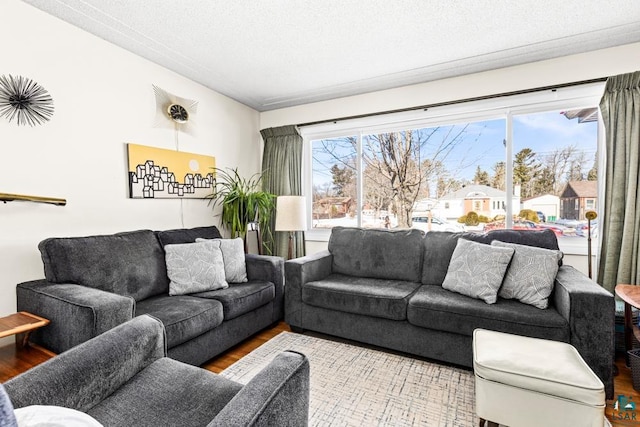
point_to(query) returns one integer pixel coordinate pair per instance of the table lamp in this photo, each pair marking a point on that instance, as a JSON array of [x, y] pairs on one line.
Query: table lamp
[[290, 216]]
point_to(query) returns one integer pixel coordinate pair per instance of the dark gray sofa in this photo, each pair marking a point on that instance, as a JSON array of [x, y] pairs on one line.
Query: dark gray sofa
[[122, 378], [98, 282], [384, 287]]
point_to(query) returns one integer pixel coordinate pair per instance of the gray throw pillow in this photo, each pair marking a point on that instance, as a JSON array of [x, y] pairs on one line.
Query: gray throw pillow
[[235, 267], [531, 274], [195, 267], [7, 417], [477, 270]]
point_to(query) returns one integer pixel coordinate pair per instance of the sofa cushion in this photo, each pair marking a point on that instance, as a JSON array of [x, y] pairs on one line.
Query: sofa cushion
[[541, 239], [436, 308], [184, 317], [531, 274], [241, 298], [187, 235], [477, 270], [167, 393], [195, 267], [439, 246], [380, 254], [233, 255], [370, 297], [129, 264]]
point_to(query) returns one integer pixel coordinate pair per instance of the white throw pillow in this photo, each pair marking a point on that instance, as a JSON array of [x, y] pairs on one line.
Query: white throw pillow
[[195, 267], [477, 270], [53, 416], [531, 274], [235, 267]]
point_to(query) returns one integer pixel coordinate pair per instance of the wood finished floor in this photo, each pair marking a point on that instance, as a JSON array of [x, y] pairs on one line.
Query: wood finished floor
[[14, 362]]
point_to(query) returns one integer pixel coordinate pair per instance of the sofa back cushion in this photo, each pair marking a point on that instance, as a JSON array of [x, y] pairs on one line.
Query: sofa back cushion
[[439, 246], [380, 254], [187, 235], [129, 264], [438, 249]]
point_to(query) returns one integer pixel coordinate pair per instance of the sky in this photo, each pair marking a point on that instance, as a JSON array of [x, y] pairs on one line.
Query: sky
[[482, 143]]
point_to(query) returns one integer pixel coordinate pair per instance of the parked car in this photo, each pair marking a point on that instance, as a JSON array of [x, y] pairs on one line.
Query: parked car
[[541, 216], [530, 225], [421, 222], [583, 229]]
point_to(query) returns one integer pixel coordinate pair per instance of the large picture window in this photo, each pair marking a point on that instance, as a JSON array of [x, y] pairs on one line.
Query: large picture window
[[530, 165]]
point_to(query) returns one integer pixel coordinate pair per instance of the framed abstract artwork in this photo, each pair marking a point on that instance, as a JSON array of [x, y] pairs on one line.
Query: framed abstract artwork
[[157, 173]]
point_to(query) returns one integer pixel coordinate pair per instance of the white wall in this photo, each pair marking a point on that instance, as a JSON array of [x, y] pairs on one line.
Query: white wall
[[590, 65], [103, 99]]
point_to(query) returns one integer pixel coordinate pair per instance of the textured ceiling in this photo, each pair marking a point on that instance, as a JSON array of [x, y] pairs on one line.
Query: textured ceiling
[[271, 54]]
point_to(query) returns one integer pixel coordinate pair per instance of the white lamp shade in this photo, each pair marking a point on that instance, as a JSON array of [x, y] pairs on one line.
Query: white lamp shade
[[291, 213]]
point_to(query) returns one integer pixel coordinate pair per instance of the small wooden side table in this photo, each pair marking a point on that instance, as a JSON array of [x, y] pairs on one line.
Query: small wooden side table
[[21, 323], [630, 294]]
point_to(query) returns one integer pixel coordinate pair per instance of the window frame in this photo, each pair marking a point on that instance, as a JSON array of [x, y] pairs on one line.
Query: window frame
[[567, 98]]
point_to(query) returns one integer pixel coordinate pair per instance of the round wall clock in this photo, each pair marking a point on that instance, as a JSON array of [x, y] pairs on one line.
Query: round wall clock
[[174, 112], [178, 113]]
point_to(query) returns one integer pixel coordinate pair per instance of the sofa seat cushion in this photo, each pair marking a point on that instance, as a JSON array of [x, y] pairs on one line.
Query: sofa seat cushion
[[167, 393], [241, 298], [370, 297], [184, 317], [436, 308]]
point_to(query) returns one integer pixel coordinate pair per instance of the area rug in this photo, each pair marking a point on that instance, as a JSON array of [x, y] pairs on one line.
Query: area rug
[[356, 386]]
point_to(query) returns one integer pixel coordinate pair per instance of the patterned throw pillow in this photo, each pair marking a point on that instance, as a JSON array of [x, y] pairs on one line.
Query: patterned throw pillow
[[195, 267], [531, 274], [477, 270], [235, 267], [7, 418]]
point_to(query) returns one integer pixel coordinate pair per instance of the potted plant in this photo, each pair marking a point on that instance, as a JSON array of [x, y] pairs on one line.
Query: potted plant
[[242, 200]]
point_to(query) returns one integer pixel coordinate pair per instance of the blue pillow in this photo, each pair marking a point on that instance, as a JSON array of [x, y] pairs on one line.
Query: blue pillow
[[7, 417]]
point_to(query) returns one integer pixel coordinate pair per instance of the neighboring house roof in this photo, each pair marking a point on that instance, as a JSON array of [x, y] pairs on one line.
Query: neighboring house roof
[[585, 115], [581, 189], [471, 191]]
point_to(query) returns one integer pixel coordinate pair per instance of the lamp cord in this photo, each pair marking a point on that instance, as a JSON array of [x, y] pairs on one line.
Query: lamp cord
[[181, 199]]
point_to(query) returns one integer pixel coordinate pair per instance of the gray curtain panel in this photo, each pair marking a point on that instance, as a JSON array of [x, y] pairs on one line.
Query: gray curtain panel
[[620, 227], [282, 169]]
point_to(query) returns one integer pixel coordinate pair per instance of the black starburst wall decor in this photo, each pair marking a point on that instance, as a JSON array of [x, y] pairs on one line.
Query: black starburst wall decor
[[24, 100]]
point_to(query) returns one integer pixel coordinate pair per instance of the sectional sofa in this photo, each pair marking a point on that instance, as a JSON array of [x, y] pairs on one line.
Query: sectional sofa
[[385, 288], [95, 283]]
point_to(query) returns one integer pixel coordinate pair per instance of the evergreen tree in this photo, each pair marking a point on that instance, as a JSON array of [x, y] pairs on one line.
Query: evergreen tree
[[481, 177], [525, 170], [498, 179], [343, 180]]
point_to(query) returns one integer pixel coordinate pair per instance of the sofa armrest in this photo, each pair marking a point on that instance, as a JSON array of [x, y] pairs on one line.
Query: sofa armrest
[[270, 269], [590, 311], [77, 313], [277, 396], [298, 272], [85, 375]]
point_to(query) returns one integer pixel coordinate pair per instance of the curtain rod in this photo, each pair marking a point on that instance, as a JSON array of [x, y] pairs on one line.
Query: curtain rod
[[458, 101]]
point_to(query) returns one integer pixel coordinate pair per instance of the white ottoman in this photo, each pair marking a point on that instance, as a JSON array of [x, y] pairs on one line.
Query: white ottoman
[[522, 381]]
